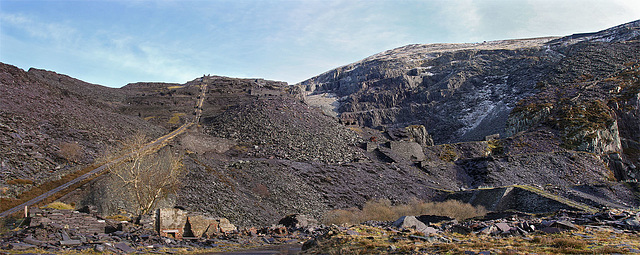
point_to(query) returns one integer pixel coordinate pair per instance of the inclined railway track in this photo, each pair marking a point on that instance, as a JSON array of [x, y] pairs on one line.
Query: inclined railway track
[[151, 146]]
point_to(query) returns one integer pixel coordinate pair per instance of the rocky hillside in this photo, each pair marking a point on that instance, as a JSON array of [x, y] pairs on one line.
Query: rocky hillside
[[418, 121], [582, 87], [262, 153], [51, 123], [463, 92]]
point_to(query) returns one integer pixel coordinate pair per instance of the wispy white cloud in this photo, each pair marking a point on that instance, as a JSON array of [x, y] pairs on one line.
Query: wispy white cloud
[[107, 49], [54, 32], [577, 16], [174, 40], [460, 17]]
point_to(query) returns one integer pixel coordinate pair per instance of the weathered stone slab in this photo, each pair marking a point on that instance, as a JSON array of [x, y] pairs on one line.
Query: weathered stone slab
[[564, 225], [124, 247], [552, 230], [21, 246], [504, 227], [30, 240], [226, 226], [70, 242]]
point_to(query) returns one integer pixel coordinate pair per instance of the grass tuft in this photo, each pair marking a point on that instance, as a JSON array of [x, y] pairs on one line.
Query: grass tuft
[[175, 118], [59, 206], [118, 217]]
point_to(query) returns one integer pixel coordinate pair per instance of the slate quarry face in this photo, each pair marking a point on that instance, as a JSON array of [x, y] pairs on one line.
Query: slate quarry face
[[464, 92]]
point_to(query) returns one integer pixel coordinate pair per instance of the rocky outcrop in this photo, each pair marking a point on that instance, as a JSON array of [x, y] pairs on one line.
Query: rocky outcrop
[[597, 115], [418, 134], [464, 92], [459, 92]]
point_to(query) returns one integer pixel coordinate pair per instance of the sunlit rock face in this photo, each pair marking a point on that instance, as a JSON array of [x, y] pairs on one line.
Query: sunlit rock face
[[464, 92], [459, 92]]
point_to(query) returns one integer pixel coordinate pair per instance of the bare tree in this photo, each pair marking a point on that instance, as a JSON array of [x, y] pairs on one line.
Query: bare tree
[[146, 177]]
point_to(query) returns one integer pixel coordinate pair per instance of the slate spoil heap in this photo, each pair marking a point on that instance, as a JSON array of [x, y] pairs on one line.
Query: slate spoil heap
[[572, 232], [285, 128]]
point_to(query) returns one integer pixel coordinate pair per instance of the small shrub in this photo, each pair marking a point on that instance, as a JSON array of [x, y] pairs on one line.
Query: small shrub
[[342, 216], [379, 210], [118, 217], [540, 240], [448, 153], [72, 152], [494, 147], [175, 118], [59, 206], [567, 242], [454, 209], [610, 250]]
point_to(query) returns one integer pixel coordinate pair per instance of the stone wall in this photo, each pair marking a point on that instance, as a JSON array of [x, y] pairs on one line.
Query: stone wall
[[513, 198], [176, 223], [68, 219]]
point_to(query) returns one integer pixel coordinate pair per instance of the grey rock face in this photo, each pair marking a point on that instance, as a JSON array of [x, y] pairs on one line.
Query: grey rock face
[[463, 92], [457, 91], [418, 134]]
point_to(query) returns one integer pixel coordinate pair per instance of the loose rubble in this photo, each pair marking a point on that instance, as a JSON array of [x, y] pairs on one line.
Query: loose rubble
[[285, 128], [68, 231], [612, 231], [178, 231]]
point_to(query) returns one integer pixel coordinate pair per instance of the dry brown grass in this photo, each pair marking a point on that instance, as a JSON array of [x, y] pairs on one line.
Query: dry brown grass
[[8, 203], [59, 206], [372, 240], [383, 210], [19, 182], [568, 243], [175, 118]]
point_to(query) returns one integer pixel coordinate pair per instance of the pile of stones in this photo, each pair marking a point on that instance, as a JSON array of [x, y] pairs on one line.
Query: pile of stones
[[68, 230]]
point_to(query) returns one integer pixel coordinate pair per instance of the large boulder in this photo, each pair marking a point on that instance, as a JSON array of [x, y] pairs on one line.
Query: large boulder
[[297, 221], [412, 222]]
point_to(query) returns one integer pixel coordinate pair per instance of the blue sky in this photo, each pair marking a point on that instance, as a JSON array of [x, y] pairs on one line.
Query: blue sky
[[114, 42]]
